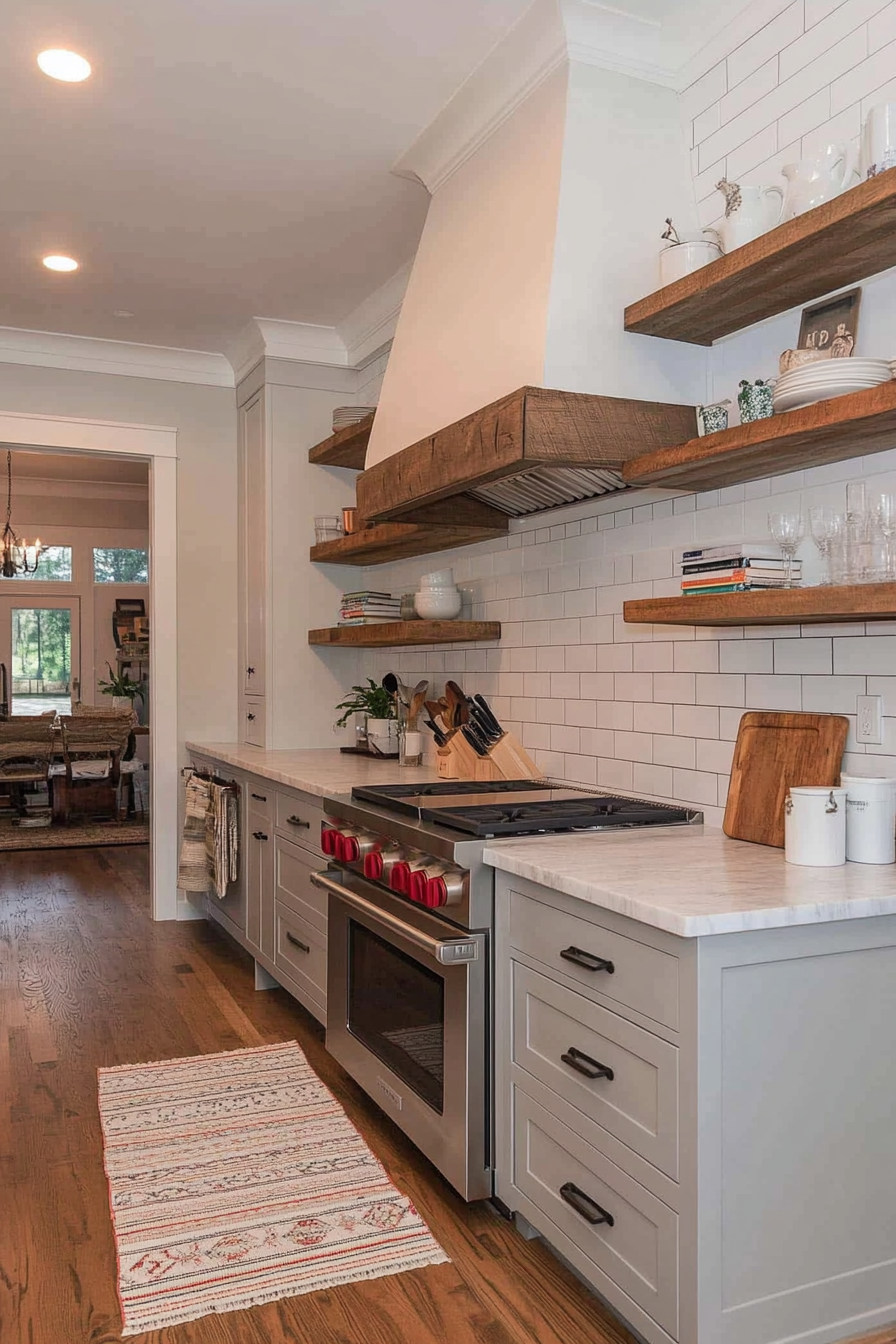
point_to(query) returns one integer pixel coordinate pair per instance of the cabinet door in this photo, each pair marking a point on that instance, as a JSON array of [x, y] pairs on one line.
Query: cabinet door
[[260, 881], [253, 543]]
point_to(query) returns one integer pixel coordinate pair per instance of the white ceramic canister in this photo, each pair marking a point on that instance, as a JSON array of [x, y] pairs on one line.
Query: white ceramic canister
[[439, 578], [815, 827], [693, 253], [870, 819]]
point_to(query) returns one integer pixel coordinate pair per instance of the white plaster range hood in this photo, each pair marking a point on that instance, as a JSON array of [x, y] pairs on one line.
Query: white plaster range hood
[[550, 177]]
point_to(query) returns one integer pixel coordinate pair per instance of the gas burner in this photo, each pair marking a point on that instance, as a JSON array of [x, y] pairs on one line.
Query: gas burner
[[586, 812]]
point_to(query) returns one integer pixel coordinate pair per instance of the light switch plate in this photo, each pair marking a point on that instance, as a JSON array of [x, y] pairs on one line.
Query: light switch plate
[[868, 714]]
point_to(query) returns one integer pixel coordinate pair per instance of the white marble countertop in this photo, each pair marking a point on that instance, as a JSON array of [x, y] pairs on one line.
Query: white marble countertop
[[322, 772], [693, 881]]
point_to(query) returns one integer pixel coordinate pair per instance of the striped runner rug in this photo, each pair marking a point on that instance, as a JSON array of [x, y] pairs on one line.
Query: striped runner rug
[[237, 1179]]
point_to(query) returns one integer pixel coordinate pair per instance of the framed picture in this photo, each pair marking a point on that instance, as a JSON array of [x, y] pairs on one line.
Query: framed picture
[[832, 325], [134, 606]]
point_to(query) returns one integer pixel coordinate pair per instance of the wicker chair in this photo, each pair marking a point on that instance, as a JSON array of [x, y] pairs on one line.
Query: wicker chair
[[92, 749], [26, 750]]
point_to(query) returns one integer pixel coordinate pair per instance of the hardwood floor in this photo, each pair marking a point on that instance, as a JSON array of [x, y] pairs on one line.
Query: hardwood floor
[[86, 979]]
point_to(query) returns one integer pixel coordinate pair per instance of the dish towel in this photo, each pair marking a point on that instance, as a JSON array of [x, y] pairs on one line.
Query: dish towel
[[222, 837], [192, 870]]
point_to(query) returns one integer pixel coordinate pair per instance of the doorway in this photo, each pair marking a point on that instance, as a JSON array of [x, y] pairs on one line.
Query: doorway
[[158, 446], [40, 646]]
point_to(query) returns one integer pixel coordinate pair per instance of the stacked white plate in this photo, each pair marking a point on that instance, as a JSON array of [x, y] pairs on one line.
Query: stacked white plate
[[349, 415], [829, 378]]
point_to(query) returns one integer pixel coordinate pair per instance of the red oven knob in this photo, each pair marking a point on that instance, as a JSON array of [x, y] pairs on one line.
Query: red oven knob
[[328, 839], [348, 849], [417, 885], [373, 866], [435, 893], [400, 877]]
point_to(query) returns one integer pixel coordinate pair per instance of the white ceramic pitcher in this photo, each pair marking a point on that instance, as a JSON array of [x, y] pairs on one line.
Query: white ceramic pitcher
[[813, 181], [749, 212]]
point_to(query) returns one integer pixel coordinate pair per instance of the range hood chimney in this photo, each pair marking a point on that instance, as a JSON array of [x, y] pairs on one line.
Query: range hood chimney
[[550, 177]]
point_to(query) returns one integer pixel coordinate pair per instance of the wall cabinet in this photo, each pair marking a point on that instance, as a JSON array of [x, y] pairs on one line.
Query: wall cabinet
[[705, 1130]]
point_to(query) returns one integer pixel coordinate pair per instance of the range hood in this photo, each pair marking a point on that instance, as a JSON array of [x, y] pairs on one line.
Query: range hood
[[532, 450]]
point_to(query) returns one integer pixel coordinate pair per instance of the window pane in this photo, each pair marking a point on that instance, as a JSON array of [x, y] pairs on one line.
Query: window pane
[[55, 565], [117, 565], [41, 660]]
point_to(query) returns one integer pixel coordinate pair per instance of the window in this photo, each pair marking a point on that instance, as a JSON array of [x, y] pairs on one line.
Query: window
[[55, 566], [114, 564]]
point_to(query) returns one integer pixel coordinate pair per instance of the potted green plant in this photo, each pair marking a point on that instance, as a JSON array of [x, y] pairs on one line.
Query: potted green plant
[[378, 708], [122, 689]]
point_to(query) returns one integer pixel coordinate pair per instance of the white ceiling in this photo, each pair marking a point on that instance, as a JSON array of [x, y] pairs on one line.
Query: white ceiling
[[228, 158]]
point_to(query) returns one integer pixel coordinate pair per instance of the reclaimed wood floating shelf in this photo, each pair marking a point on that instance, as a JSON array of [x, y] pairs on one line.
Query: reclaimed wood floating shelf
[[839, 243], [783, 606], [404, 634], [346, 448], [383, 542], [828, 431]]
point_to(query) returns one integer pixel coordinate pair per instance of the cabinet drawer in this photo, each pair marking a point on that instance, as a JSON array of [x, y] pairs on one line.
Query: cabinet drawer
[[301, 950], [260, 800], [639, 1251], [300, 820], [637, 975], [253, 721], [294, 889], [561, 1037]]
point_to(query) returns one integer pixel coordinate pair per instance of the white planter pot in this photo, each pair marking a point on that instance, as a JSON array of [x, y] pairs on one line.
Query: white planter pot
[[123, 702], [438, 604], [382, 735]]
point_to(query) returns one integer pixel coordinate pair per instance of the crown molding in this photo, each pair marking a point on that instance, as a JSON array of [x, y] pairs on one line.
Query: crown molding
[[371, 325], [520, 62], [43, 487], [90, 354]]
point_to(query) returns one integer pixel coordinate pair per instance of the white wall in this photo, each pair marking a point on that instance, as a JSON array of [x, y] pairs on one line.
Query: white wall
[[472, 325], [206, 523]]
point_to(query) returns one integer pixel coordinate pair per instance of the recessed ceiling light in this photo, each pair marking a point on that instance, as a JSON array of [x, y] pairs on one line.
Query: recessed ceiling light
[[60, 263], [122, 312], [66, 65]]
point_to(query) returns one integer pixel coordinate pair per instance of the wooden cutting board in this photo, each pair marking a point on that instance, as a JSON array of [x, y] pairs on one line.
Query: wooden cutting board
[[774, 751]]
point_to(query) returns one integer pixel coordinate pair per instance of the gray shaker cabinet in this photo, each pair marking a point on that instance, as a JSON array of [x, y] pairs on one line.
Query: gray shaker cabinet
[[734, 1181]]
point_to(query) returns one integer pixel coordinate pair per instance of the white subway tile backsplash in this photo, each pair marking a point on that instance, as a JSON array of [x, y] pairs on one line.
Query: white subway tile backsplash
[[743, 655], [674, 688], [652, 718], [831, 695], [774, 692], [804, 655], [749, 91], [873, 655], [699, 656], [694, 721], [653, 657], [759, 48], [882, 27], [675, 751], [708, 89], [720, 689], [859, 80], [808, 115]]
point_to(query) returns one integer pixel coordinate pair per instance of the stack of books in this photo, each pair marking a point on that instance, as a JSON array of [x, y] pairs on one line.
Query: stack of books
[[739, 568], [369, 608]]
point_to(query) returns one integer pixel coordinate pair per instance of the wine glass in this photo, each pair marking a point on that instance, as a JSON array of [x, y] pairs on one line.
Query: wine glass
[[788, 530], [885, 515], [825, 526]]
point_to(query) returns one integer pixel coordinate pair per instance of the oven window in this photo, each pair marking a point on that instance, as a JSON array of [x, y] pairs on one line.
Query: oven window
[[396, 1007]]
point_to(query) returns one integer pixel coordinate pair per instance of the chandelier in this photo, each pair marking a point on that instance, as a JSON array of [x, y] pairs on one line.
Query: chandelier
[[16, 557]]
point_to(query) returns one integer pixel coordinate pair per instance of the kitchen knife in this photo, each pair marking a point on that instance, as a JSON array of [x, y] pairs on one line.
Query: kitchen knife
[[470, 735], [486, 709], [483, 726], [441, 739]]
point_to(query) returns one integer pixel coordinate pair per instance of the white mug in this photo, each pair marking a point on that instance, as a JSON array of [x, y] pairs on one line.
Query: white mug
[[870, 819], [691, 254], [815, 827]]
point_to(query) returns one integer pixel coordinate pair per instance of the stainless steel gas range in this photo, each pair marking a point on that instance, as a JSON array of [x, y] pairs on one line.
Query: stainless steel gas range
[[411, 916]]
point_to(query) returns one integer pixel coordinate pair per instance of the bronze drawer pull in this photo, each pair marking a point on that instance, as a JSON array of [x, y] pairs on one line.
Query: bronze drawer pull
[[582, 1063], [251, 718], [259, 797], [303, 947], [297, 821], [259, 835], [587, 960], [585, 1206]]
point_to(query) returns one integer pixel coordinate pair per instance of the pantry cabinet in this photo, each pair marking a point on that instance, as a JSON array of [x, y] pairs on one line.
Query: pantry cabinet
[[701, 1126]]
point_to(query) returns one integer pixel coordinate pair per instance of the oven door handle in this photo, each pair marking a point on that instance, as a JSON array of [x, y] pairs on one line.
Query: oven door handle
[[446, 951]]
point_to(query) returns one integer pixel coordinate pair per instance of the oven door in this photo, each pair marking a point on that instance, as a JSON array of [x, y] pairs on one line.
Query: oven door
[[407, 1017]]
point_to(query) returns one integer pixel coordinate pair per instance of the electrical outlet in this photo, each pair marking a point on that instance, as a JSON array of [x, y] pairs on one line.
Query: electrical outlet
[[868, 711]]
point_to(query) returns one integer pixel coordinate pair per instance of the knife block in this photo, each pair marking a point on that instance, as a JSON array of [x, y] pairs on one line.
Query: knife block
[[507, 759]]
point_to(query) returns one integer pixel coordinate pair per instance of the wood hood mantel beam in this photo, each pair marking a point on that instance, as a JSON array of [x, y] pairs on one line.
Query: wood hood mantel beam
[[531, 428]]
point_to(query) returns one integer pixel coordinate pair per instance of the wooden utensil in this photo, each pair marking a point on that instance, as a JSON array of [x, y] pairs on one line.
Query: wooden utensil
[[416, 704], [457, 703], [773, 752]]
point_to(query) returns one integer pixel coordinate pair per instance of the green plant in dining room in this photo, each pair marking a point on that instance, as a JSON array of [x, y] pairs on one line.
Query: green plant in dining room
[[372, 699], [121, 684]]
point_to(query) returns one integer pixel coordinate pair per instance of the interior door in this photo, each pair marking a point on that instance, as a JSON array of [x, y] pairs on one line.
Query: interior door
[[40, 648]]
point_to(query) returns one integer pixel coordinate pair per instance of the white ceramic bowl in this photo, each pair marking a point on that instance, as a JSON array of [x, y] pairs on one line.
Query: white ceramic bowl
[[438, 604]]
